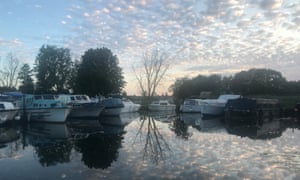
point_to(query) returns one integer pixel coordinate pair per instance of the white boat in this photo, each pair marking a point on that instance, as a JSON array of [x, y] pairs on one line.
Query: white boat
[[161, 105], [113, 106], [130, 106], [216, 106], [8, 111], [82, 106], [43, 108], [191, 106]]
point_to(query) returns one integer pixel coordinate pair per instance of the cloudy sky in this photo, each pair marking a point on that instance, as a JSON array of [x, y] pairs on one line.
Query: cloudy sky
[[200, 36]]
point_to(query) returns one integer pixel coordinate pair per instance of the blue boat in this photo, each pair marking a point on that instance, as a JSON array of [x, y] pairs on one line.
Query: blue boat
[[44, 108]]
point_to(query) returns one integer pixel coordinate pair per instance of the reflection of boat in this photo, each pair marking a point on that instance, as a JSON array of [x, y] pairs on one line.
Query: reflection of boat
[[45, 108], [122, 120], [191, 106], [50, 142], [39, 130], [113, 106], [161, 105], [216, 106], [130, 106], [163, 116], [266, 130], [7, 111], [82, 106], [83, 128], [113, 124], [202, 123], [7, 135]]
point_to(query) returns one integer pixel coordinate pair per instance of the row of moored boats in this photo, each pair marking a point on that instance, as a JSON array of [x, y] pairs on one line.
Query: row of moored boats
[[57, 108]]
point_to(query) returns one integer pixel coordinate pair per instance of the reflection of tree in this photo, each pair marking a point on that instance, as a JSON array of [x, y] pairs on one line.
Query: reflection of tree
[[180, 128], [53, 152], [99, 150], [155, 144]]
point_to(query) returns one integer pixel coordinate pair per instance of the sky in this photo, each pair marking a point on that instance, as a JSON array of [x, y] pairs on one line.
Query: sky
[[200, 36]]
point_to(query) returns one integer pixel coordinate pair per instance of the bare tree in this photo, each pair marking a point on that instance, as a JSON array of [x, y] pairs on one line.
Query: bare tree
[[153, 69], [9, 71]]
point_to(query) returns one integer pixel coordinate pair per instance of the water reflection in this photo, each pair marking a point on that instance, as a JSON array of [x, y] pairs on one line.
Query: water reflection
[[100, 150], [263, 130], [50, 142], [155, 145]]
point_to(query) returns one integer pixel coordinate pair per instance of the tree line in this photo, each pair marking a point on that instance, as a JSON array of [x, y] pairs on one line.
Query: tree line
[[97, 72], [246, 83]]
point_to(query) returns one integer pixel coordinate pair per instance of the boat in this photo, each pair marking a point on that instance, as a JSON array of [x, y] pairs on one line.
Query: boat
[[251, 110], [8, 111], [191, 106], [161, 105], [216, 106], [82, 106], [130, 106], [43, 108], [113, 106]]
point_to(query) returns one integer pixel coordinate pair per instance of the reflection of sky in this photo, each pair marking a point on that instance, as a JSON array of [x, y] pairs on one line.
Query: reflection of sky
[[218, 36]]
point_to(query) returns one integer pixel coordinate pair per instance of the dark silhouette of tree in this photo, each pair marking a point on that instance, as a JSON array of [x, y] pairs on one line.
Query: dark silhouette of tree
[[53, 68], [258, 81], [25, 76], [99, 72]]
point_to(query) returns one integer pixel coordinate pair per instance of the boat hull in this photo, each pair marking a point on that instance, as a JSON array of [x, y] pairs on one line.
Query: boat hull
[[55, 115], [190, 108], [154, 107], [87, 110], [6, 115], [214, 110], [111, 111]]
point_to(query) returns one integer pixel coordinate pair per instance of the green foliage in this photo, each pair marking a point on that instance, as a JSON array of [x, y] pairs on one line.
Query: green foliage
[[258, 81], [247, 83], [25, 76], [99, 73], [53, 68]]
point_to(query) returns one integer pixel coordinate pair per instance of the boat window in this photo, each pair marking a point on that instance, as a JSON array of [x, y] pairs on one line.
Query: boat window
[[163, 103], [84, 98], [2, 106], [78, 98], [37, 97], [72, 98], [48, 97]]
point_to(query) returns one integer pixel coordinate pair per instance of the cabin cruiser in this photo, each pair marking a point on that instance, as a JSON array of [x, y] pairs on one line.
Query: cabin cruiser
[[8, 111], [216, 106], [43, 108], [161, 105], [82, 105]]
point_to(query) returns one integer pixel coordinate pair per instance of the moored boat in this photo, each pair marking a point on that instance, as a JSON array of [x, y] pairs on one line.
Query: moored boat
[[161, 105], [216, 106], [43, 108], [191, 106], [130, 106], [252, 110], [113, 106], [8, 111], [82, 106]]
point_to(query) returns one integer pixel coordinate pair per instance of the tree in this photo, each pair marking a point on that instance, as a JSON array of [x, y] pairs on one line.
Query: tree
[[258, 81], [99, 73], [8, 74], [153, 69], [25, 76], [53, 67]]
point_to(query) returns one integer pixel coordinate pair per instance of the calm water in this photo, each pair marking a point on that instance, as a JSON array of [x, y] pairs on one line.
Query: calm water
[[154, 146]]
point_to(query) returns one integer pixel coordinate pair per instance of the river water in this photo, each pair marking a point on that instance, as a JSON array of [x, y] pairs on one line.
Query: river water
[[151, 146]]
